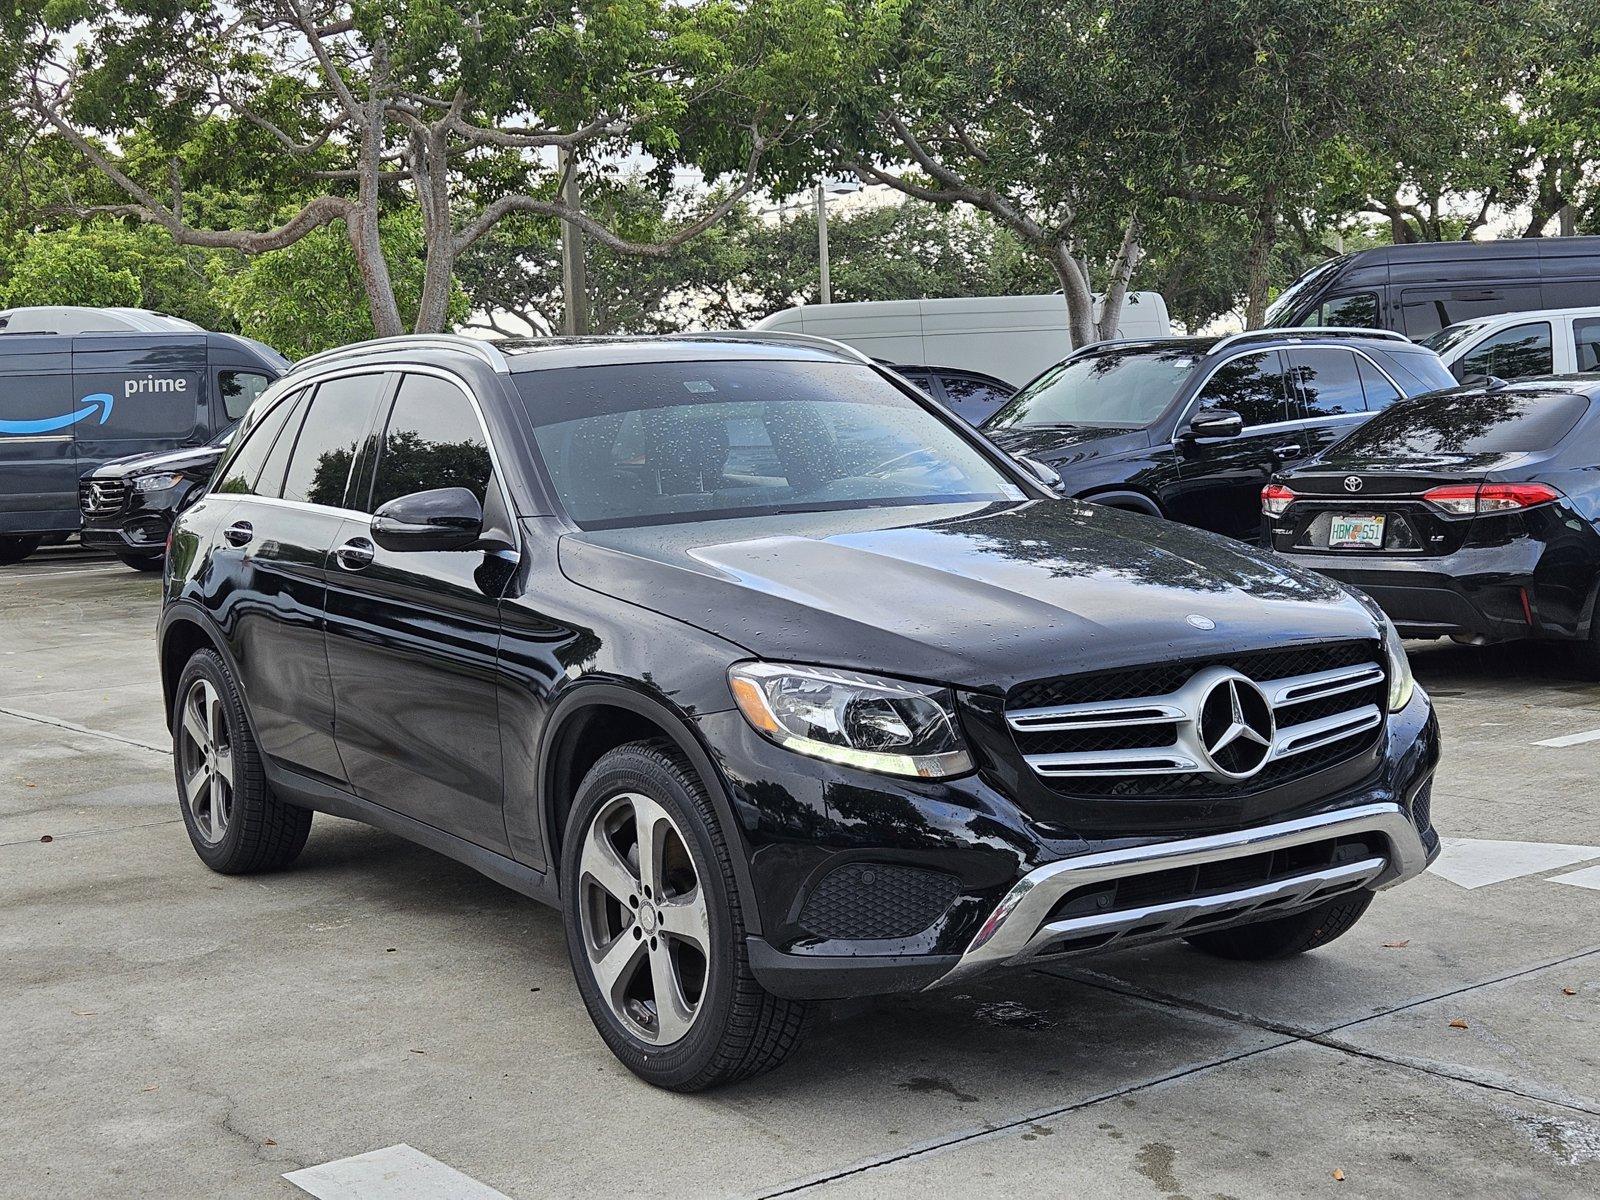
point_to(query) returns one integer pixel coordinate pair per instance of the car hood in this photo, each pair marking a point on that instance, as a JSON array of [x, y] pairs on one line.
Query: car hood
[[982, 596], [185, 459], [1064, 445]]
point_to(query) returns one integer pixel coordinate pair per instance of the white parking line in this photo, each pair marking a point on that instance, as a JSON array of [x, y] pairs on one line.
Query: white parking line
[[1589, 878], [393, 1173], [1478, 862], [1571, 739]]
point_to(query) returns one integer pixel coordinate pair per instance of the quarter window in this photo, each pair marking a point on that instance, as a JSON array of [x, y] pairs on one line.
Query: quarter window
[[1379, 391], [1427, 310], [238, 390], [1329, 380], [1250, 385], [1515, 353], [972, 399], [1359, 311], [242, 474], [1586, 341], [434, 440], [338, 419]]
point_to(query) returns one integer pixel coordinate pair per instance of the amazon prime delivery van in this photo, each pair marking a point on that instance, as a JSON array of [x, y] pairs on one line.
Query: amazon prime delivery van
[[81, 386]]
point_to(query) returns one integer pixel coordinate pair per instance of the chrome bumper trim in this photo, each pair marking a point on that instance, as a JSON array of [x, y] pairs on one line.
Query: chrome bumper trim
[[1017, 928]]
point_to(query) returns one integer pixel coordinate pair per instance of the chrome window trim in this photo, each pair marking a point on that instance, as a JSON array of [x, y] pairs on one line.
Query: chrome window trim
[[1296, 422]]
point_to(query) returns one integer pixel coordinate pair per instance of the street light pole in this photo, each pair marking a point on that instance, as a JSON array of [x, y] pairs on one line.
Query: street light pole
[[822, 243]]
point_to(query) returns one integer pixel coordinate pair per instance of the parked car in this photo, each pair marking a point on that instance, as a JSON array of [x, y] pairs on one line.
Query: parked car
[[1419, 288], [1555, 341], [972, 396], [779, 680], [1010, 337], [1473, 513], [1191, 428], [109, 384], [128, 504]]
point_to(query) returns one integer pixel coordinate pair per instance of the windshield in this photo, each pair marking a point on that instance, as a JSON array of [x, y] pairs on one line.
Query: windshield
[[1278, 311], [1451, 335], [1111, 389], [1447, 423], [653, 443]]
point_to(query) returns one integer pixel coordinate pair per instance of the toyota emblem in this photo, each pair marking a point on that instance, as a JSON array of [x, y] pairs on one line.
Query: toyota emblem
[[1352, 483]]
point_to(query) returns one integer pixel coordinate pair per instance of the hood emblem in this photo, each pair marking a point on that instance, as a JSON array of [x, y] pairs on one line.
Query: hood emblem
[[1200, 622], [1236, 727], [1352, 483]]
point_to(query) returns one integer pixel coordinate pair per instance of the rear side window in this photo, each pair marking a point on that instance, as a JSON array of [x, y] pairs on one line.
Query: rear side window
[[1516, 353], [1359, 311], [433, 440], [1329, 380], [1502, 421], [239, 390], [973, 399], [340, 414], [1427, 310], [1586, 340], [1250, 385], [243, 471], [1379, 392]]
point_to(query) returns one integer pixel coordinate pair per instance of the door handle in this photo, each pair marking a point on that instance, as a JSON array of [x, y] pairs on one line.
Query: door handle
[[1290, 451], [355, 554], [239, 533]]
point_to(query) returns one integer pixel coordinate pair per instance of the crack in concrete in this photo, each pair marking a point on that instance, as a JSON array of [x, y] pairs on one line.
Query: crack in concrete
[[74, 727]]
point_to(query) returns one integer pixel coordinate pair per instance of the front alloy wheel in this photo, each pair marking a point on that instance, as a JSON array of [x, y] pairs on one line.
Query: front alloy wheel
[[644, 919], [205, 761]]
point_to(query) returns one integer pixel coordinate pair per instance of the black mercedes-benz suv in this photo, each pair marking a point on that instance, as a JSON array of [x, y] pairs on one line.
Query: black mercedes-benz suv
[[779, 680], [1191, 428], [128, 504]]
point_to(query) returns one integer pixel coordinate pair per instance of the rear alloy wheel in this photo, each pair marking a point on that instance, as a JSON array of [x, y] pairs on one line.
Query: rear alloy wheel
[[205, 762], [655, 930], [15, 549]]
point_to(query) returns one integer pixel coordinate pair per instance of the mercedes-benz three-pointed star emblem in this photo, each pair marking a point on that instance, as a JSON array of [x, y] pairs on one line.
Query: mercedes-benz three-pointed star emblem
[[1236, 727]]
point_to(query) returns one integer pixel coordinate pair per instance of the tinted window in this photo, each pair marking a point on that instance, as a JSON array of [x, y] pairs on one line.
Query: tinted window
[[1252, 386], [1380, 393], [1278, 311], [1496, 422], [1347, 312], [339, 417], [433, 440], [238, 390], [270, 481], [1586, 340], [1425, 310], [256, 441], [659, 442], [1329, 380], [973, 399], [1114, 388], [1516, 353]]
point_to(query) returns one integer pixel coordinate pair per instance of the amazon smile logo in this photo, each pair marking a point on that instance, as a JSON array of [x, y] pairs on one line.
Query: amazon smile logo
[[99, 402]]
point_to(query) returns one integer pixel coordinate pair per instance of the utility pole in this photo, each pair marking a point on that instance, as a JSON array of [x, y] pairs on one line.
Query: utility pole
[[574, 278], [822, 242]]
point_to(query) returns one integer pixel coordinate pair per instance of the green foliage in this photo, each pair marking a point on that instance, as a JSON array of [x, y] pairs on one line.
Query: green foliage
[[309, 296], [110, 258], [67, 270]]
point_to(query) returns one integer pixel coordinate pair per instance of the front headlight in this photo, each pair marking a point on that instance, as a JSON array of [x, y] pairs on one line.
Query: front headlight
[[1401, 682], [877, 724], [157, 483]]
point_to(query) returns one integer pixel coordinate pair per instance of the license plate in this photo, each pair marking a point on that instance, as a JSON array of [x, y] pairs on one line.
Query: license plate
[[1348, 533]]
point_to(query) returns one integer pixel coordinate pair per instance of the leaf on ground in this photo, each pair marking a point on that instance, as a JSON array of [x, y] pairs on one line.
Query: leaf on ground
[[45, 837], [1400, 945], [1338, 1174], [1569, 991], [1458, 1023], [269, 1142], [152, 1088]]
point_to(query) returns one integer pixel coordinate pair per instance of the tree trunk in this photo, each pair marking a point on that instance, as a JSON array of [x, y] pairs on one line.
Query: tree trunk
[[430, 169], [1121, 272], [1079, 296], [1258, 262], [362, 225]]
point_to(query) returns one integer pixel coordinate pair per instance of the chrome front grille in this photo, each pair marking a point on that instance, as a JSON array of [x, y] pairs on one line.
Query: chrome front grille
[[102, 497], [1219, 727]]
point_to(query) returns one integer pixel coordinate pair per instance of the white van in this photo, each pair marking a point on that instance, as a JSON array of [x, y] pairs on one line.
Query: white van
[[1520, 345], [1010, 337]]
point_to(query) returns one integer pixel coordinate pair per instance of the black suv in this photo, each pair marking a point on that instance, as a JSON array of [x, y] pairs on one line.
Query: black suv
[[779, 680], [128, 504], [1191, 428]]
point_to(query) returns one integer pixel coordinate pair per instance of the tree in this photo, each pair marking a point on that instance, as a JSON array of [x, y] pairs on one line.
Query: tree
[[73, 266], [453, 111], [62, 270]]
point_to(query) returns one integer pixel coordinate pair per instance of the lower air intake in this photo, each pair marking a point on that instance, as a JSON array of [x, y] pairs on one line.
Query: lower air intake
[[877, 900]]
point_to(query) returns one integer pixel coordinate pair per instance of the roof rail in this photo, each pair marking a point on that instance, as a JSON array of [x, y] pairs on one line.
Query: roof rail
[[1288, 331], [763, 335], [484, 351]]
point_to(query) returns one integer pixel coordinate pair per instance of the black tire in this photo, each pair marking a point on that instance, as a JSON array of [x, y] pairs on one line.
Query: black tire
[[142, 562], [1286, 936], [258, 831], [739, 1029], [1588, 650], [15, 549]]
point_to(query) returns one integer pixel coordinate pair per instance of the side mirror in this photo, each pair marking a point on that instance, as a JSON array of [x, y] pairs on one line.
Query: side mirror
[[1044, 473], [1216, 423], [442, 519]]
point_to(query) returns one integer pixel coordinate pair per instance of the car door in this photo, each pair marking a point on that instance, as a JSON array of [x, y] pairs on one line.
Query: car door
[[1586, 343], [1516, 352], [1220, 479], [1325, 382], [289, 503], [413, 636]]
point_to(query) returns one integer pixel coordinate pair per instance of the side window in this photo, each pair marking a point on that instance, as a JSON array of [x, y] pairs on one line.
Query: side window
[[1514, 353], [1252, 386], [256, 444], [1359, 311], [1329, 381], [433, 440], [336, 422], [1586, 341], [238, 390], [1428, 310], [1379, 391], [972, 399]]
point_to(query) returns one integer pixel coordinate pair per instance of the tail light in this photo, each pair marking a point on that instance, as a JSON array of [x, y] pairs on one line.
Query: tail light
[[1465, 499], [1275, 499]]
